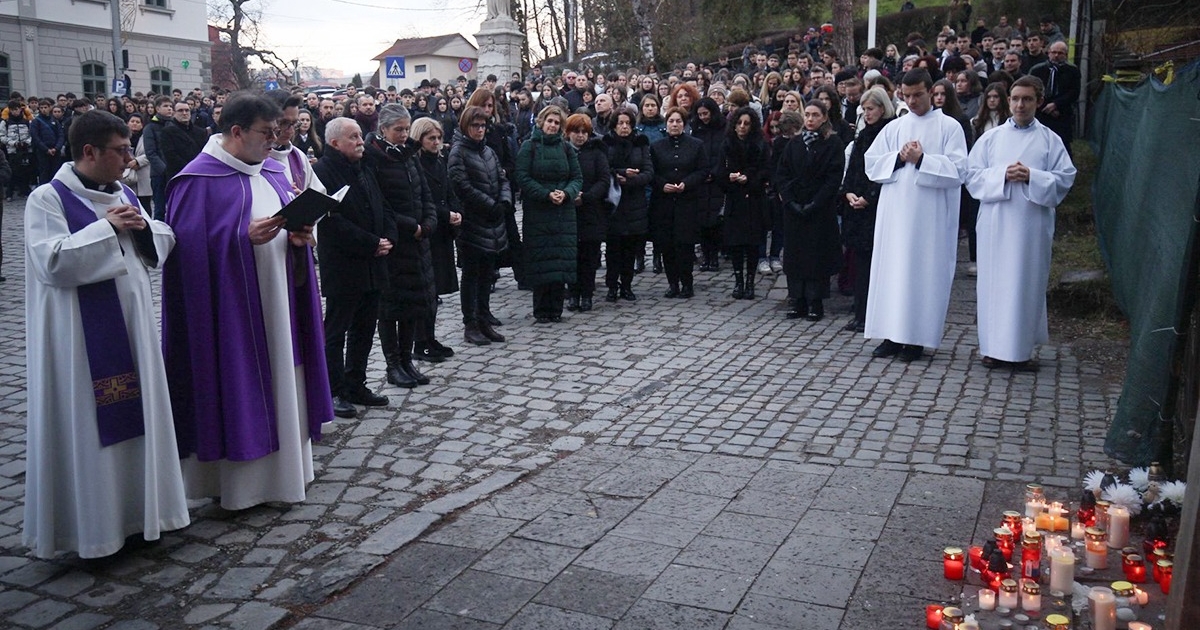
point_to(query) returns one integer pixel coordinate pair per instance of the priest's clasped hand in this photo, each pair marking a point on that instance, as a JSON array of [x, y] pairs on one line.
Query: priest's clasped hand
[[125, 217], [302, 237], [383, 248], [911, 152], [1016, 173]]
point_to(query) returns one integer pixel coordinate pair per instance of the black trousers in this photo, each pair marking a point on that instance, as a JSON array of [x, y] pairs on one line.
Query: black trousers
[[397, 338], [862, 283], [349, 332], [677, 262], [587, 262], [475, 286], [548, 300], [710, 241], [621, 251], [743, 257]]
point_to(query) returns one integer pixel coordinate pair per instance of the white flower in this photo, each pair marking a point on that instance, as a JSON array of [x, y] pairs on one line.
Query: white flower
[[1173, 491], [1139, 478], [1125, 496], [1092, 480]]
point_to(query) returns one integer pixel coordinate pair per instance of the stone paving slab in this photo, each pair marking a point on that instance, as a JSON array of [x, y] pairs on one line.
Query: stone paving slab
[[841, 567], [716, 420]]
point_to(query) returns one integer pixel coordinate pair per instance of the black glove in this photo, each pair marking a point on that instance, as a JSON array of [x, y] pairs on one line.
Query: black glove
[[499, 209]]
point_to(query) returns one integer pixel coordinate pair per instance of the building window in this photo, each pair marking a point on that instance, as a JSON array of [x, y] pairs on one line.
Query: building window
[[420, 69], [5, 78], [94, 82], [160, 81], [160, 4]]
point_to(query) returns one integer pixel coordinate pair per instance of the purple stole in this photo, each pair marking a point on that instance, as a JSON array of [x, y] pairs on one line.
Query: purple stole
[[214, 336], [296, 165], [115, 382]]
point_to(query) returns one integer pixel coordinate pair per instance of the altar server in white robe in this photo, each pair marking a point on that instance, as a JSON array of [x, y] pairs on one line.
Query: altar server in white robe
[[921, 160], [1019, 172], [299, 169], [101, 459]]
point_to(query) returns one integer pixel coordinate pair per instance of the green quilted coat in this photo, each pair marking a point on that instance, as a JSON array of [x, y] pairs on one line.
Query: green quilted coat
[[546, 163]]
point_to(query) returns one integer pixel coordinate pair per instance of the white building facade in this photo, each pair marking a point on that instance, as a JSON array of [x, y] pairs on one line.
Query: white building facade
[[443, 57], [50, 47]]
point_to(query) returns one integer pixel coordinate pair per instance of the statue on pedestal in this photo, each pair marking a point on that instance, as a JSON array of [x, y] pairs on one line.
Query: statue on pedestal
[[498, 9]]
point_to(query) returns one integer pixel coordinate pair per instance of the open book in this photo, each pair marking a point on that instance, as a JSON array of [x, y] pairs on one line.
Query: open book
[[309, 207]]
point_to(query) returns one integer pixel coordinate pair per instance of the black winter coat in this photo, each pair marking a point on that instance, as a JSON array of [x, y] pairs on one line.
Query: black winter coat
[[482, 188], [810, 175], [746, 212], [348, 238], [544, 164], [180, 145], [711, 195], [441, 244], [411, 293], [858, 225], [675, 217], [631, 217], [591, 213]]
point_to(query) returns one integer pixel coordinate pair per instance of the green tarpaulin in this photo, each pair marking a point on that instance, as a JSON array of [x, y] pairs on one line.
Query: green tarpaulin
[[1147, 139]]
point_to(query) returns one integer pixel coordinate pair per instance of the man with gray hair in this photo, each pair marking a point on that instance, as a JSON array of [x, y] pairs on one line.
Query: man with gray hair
[[355, 241]]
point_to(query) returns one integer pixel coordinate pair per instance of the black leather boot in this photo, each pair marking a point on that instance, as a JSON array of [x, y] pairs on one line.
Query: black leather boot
[[739, 285], [472, 334], [585, 303], [412, 372], [658, 263], [749, 292], [611, 296], [573, 303], [398, 376]]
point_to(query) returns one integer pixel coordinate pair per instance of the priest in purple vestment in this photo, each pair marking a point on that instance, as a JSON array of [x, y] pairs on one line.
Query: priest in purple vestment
[[242, 329]]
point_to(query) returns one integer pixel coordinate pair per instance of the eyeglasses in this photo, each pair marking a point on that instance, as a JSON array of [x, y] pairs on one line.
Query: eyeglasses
[[286, 124], [124, 149], [270, 132]]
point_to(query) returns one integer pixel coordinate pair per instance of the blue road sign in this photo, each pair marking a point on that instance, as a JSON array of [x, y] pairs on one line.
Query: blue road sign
[[394, 67], [271, 85]]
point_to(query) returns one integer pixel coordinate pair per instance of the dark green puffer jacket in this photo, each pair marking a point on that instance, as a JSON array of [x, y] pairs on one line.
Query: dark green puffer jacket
[[544, 164]]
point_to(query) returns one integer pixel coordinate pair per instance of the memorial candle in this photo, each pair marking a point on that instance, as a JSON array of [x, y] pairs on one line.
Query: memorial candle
[[952, 618], [976, 555], [1012, 520], [1165, 569], [1062, 570], [1096, 554], [1118, 526], [952, 563], [1031, 596], [1139, 625], [1134, 567], [1058, 622], [1031, 555], [933, 616], [1009, 597], [1104, 608], [1102, 514], [1087, 510], [1058, 516], [1035, 499], [987, 599], [1004, 542], [1143, 597], [1077, 530]]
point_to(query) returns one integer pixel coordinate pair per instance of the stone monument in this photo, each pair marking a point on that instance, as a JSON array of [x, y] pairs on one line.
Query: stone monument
[[500, 41]]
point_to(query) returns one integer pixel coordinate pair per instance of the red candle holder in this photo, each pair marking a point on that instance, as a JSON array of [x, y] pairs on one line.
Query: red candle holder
[[1135, 568], [977, 561], [952, 563], [1165, 570], [933, 616], [1004, 542]]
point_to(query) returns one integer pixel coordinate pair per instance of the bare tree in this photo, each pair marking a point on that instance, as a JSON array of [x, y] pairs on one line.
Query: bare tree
[[239, 23], [644, 12]]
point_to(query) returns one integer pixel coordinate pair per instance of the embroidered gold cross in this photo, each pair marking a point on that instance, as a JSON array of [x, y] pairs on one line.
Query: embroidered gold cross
[[115, 389]]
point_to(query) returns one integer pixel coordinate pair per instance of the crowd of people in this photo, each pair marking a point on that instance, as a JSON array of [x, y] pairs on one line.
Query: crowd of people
[[807, 165]]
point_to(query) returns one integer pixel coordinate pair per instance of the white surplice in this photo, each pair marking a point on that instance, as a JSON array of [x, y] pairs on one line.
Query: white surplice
[[308, 177], [1016, 231], [283, 474], [81, 496], [916, 229]]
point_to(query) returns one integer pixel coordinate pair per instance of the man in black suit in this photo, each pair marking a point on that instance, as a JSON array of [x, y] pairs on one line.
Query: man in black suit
[[354, 241], [1063, 82]]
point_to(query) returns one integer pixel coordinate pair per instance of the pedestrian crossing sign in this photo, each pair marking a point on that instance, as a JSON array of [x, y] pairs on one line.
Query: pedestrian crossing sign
[[394, 67]]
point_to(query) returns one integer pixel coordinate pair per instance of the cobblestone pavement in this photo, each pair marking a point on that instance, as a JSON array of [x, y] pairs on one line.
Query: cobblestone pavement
[[705, 429]]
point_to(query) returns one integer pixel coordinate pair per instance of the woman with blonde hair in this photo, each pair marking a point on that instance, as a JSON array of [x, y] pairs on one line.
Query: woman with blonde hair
[[428, 134], [550, 179]]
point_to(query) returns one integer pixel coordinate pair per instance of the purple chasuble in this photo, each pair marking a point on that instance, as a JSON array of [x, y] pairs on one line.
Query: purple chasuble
[[115, 382], [214, 336], [296, 161]]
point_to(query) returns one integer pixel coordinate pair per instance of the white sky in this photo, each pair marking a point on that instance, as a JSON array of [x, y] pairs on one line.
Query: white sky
[[345, 34]]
